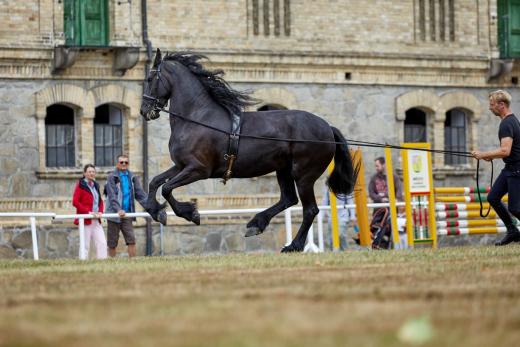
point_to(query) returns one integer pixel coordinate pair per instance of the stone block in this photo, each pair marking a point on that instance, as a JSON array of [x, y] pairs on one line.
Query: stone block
[[213, 242], [7, 150], [7, 252], [6, 236], [171, 242], [234, 242], [19, 185], [28, 158], [140, 241], [58, 241], [9, 165], [22, 240], [253, 243], [191, 244], [268, 241], [42, 189]]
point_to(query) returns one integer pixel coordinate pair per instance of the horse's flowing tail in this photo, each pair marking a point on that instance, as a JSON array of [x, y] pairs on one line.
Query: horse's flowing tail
[[343, 178]]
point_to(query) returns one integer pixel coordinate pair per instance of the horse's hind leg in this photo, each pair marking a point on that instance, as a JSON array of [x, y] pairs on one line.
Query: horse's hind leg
[[310, 210], [288, 198], [152, 206]]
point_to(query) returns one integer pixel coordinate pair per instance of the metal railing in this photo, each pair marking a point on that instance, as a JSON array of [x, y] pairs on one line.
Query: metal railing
[[309, 247]]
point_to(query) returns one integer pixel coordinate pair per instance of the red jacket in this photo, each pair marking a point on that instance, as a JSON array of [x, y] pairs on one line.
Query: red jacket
[[83, 200]]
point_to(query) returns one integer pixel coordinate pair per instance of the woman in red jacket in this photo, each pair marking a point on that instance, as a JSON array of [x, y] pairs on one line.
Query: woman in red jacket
[[87, 200]]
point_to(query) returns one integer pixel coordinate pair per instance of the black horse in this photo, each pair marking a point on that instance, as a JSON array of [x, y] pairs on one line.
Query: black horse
[[205, 102]]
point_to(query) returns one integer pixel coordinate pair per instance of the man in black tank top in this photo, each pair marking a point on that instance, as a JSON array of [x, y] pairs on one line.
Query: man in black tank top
[[508, 182]]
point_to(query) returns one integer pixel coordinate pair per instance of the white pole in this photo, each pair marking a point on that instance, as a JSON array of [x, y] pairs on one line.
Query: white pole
[[161, 229], [320, 232], [82, 254], [34, 238], [311, 246], [288, 227]]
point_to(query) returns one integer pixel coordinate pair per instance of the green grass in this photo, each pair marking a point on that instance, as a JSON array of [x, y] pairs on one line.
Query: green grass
[[467, 297]]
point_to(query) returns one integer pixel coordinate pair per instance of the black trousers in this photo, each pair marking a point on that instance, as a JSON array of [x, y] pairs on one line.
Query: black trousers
[[508, 182]]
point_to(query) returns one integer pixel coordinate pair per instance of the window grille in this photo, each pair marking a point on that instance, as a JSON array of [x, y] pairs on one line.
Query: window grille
[[271, 14], [59, 137], [415, 126], [455, 136], [108, 135], [435, 20]]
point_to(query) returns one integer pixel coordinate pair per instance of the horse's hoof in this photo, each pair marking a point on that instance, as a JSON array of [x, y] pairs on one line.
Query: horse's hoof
[[162, 218], [195, 217], [287, 249], [253, 231], [290, 249]]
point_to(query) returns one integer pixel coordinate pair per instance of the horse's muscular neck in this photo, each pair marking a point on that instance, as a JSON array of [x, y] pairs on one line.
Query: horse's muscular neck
[[189, 96]]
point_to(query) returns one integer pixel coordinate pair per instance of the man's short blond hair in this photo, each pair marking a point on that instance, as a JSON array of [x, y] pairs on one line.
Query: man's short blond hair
[[501, 96]]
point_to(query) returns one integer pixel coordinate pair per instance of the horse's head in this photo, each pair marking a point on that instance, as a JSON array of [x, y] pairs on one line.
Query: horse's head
[[156, 90]]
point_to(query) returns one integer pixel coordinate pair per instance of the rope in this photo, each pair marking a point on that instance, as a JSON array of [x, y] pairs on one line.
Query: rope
[[349, 141], [352, 142], [478, 190]]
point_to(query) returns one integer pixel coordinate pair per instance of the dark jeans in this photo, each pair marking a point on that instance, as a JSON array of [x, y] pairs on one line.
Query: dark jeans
[[508, 182]]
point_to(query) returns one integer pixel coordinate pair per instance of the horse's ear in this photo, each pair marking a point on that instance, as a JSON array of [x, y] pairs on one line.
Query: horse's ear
[[158, 58]]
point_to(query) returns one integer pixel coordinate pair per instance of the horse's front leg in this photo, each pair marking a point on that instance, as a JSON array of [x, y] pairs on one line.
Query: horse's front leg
[[153, 207], [187, 175]]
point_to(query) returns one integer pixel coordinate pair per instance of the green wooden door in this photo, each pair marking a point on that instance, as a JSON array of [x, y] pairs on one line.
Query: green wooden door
[[509, 28], [69, 15], [86, 22]]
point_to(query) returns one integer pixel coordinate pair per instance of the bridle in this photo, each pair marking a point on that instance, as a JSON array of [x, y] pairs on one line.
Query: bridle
[[157, 103]]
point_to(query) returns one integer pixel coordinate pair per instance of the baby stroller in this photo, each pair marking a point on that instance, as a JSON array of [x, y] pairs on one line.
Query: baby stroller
[[381, 229]]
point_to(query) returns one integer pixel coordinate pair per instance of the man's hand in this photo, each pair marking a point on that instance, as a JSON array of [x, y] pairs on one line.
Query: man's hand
[[121, 213], [480, 155]]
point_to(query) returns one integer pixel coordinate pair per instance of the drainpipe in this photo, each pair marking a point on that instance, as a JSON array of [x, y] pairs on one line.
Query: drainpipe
[[148, 45]]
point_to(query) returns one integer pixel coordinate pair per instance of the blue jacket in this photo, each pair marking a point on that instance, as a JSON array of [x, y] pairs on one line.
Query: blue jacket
[[114, 199]]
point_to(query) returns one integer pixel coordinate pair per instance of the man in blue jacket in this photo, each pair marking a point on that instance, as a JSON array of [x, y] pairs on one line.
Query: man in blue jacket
[[122, 189]]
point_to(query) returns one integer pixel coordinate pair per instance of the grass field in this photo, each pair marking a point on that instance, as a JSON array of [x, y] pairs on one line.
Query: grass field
[[448, 297]]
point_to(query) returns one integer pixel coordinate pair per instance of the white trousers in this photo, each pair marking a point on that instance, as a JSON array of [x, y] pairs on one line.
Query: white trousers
[[94, 231]]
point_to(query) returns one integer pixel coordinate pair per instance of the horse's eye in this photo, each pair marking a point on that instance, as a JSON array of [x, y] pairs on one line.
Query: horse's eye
[[149, 79]]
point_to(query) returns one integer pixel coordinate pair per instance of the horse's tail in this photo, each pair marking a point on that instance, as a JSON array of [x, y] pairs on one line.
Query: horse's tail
[[343, 178]]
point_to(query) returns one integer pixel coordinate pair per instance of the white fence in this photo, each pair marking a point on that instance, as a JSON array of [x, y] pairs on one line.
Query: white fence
[[309, 247]]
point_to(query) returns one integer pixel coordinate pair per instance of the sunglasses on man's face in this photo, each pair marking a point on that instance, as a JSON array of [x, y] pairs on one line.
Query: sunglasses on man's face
[[123, 162]]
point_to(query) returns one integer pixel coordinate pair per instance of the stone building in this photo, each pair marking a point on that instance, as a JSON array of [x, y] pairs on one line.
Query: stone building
[[71, 74]]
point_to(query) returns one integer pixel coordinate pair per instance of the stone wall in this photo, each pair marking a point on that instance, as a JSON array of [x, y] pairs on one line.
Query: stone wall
[[214, 235], [61, 240]]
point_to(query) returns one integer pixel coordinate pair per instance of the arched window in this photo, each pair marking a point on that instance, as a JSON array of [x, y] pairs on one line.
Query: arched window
[[108, 134], [415, 126], [59, 136], [271, 107], [455, 136]]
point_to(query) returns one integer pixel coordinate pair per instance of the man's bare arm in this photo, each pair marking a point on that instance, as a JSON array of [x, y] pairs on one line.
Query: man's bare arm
[[504, 151]]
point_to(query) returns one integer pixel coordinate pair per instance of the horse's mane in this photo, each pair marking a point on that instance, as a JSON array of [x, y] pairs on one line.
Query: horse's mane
[[221, 92]]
